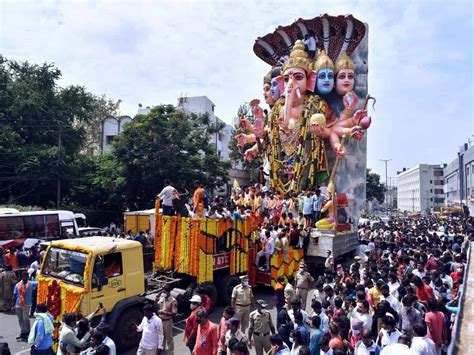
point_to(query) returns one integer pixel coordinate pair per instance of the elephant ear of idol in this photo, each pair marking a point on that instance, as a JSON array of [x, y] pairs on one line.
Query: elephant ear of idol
[[335, 34]]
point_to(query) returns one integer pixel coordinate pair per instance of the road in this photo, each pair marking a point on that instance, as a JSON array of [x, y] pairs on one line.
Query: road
[[10, 329]]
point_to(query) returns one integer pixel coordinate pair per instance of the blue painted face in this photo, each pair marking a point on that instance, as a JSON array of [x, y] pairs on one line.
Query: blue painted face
[[275, 90], [325, 81]]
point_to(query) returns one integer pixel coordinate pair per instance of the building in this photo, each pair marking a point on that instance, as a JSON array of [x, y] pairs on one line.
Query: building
[[459, 178], [391, 197], [201, 105], [110, 129], [420, 188]]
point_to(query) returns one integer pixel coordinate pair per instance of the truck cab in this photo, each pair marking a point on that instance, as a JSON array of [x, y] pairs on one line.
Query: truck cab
[[93, 270]]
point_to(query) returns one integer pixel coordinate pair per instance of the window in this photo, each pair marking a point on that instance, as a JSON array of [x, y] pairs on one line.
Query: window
[[67, 265], [439, 200], [109, 140], [431, 190], [11, 228], [113, 265], [438, 191], [431, 181], [34, 227]]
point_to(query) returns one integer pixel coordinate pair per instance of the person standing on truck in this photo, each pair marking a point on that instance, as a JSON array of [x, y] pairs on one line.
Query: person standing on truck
[[198, 200], [166, 196], [242, 299], [261, 325], [190, 328], [167, 307], [303, 280], [152, 333], [206, 338]]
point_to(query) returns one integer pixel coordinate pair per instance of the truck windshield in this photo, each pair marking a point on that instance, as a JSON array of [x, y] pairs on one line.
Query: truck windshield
[[67, 265]]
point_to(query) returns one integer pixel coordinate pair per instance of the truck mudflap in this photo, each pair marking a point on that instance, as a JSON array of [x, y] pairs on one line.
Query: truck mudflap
[[121, 306]]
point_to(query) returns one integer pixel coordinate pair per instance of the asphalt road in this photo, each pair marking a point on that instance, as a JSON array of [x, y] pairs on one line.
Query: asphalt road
[[9, 328]]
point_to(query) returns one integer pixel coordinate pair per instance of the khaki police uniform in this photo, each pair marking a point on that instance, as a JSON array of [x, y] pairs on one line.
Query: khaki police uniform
[[261, 324], [243, 300], [303, 280], [167, 305]]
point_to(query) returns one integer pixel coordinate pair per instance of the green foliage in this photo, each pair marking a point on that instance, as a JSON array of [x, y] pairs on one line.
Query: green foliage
[[374, 189], [34, 113]]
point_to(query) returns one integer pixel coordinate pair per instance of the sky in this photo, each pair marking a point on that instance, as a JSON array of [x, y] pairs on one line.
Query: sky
[[152, 52]]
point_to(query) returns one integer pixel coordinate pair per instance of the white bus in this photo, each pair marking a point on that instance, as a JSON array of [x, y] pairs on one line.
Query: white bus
[[16, 227]]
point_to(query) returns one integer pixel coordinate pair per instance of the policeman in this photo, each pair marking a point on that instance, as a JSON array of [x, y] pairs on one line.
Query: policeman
[[242, 299], [303, 280], [261, 325], [167, 307]]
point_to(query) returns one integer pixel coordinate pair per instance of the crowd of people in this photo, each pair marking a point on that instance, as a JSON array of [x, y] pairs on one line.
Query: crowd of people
[[400, 295]]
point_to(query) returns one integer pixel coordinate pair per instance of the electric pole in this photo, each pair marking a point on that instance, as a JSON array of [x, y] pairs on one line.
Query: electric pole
[[58, 164]]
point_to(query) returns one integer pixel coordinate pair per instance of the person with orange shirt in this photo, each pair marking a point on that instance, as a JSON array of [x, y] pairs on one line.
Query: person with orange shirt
[[206, 339], [198, 199]]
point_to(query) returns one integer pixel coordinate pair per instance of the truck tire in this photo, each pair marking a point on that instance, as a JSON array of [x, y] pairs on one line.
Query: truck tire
[[124, 333], [211, 291], [226, 285]]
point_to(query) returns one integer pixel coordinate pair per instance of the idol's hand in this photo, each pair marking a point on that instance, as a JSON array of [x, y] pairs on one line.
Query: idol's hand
[[357, 133], [350, 100], [246, 125], [259, 128], [257, 111], [250, 154], [241, 139], [340, 150], [358, 116], [316, 129]]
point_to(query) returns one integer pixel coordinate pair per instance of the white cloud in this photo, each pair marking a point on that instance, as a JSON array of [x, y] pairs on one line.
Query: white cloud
[[151, 52]]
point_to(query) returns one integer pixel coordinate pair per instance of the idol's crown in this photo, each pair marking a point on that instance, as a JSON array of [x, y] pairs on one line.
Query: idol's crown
[[344, 62], [298, 58], [323, 61]]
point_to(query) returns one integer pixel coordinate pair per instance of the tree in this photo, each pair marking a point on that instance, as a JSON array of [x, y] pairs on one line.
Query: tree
[[374, 189], [167, 143], [42, 132]]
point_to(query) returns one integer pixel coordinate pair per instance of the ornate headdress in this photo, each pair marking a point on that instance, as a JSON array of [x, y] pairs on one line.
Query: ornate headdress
[[298, 58], [323, 61], [344, 62], [273, 73]]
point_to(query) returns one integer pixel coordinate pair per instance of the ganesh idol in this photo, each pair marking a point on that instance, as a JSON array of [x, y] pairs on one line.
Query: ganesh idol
[[297, 157]]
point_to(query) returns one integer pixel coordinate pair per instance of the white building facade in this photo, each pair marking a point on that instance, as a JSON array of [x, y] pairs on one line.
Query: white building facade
[[111, 128], [420, 189], [201, 105], [459, 179]]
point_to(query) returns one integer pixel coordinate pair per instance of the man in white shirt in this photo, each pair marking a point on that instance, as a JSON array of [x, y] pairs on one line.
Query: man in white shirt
[[152, 336], [387, 296], [166, 195], [268, 246], [366, 345], [104, 328], [361, 313], [421, 344]]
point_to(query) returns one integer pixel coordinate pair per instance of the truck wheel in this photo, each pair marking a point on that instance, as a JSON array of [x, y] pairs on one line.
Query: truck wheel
[[211, 291], [226, 285], [124, 334]]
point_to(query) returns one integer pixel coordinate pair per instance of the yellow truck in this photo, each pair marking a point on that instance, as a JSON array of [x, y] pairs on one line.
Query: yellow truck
[[78, 274]]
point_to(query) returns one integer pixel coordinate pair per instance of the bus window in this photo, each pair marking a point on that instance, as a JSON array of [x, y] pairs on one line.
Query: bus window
[[52, 226], [11, 227], [34, 226]]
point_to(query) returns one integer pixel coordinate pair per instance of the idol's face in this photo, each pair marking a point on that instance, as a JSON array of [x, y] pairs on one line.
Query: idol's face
[[345, 81], [325, 81]]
